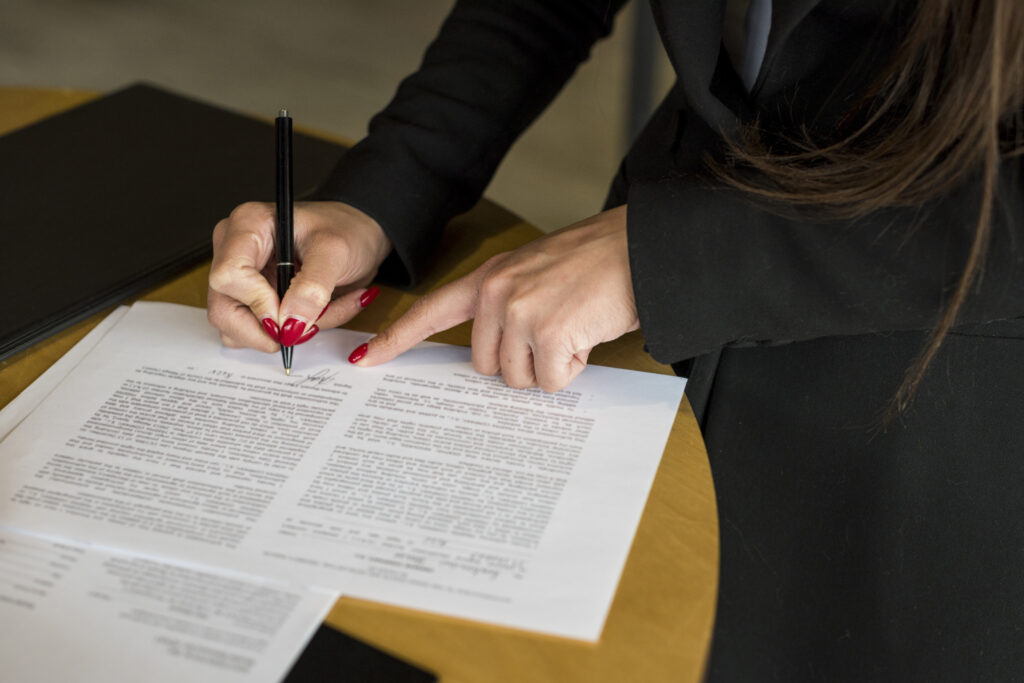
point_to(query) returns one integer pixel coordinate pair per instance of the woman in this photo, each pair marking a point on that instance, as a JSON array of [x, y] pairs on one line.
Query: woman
[[830, 245]]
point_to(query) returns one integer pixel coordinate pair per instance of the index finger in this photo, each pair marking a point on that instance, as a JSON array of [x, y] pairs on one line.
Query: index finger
[[243, 245], [443, 308]]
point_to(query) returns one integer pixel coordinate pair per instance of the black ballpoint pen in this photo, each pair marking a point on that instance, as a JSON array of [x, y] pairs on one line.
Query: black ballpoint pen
[[285, 237]]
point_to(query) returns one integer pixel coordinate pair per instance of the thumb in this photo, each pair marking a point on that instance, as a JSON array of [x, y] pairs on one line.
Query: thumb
[[441, 309], [310, 292]]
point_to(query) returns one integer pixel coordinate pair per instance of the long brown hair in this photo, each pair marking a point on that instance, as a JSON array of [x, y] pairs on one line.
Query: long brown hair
[[948, 105]]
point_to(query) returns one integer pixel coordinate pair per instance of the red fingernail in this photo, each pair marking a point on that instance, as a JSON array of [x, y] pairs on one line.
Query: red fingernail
[[271, 327], [358, 354], [291, 331], [368, 296], [323, 311], [313, 329]]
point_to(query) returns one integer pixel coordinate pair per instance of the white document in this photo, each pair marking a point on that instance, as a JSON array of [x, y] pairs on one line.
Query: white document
[[25, 402], [419, 483], [72, 613]]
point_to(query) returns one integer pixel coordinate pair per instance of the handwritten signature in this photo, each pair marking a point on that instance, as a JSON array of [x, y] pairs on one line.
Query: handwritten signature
[[318, 378]]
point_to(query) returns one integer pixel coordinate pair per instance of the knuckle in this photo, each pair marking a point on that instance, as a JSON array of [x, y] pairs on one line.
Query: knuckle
[[326, 240], [260, 240], [495, 284], [219, 229], [248, 211], [518, 311], [225, 274], [220, 308], [519, 383], [228, 341], [260, 303], [494, 261], [329, 244], [306, 290], [486, 366], [551, 385], [257, 252], [548, 334], [219, 279], [214, 316], [252, 219]]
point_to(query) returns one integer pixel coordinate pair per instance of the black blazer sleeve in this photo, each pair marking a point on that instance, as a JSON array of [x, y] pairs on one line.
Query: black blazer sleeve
[[492, 69], [711, 268]]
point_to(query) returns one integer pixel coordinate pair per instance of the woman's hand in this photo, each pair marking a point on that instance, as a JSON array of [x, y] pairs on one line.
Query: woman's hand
[[538, 310], [338, 248]]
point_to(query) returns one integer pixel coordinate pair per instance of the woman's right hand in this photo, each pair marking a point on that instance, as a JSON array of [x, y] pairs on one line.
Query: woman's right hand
[[338, 249]]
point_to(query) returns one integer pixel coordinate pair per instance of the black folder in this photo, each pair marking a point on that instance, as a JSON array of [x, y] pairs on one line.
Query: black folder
[[336, 657], [103, 201]]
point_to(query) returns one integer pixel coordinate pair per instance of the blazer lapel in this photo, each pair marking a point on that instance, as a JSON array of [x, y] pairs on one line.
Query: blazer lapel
[[786, 14], [692, 33]]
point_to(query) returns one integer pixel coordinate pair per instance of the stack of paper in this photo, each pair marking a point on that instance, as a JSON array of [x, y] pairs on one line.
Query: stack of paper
[[200, 503]]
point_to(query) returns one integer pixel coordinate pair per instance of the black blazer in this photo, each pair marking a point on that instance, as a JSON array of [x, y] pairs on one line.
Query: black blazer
[[848, 551]]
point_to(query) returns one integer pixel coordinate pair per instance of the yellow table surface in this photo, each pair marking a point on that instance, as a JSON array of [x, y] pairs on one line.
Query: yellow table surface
[[659, 626]]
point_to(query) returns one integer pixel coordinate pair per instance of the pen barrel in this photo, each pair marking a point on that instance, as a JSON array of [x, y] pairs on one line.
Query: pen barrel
[[285, 271], [285, 236]]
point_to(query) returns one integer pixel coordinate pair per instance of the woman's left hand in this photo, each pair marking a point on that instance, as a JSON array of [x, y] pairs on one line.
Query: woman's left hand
[[538, 310]]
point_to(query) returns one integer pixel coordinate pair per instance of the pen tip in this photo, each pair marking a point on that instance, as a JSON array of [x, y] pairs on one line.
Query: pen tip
[[283, 114], [286, 359]]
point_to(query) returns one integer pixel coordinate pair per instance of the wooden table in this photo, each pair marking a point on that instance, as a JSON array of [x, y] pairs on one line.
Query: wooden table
[[659, 626]]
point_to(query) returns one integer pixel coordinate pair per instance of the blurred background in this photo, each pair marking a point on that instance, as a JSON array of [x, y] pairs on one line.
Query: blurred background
[[333, 64]]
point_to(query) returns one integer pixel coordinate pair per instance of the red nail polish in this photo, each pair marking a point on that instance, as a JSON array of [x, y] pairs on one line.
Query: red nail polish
[[323, 311], [271, 328], [368, 296], [309, 334], [291, 331], [358, 354]]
